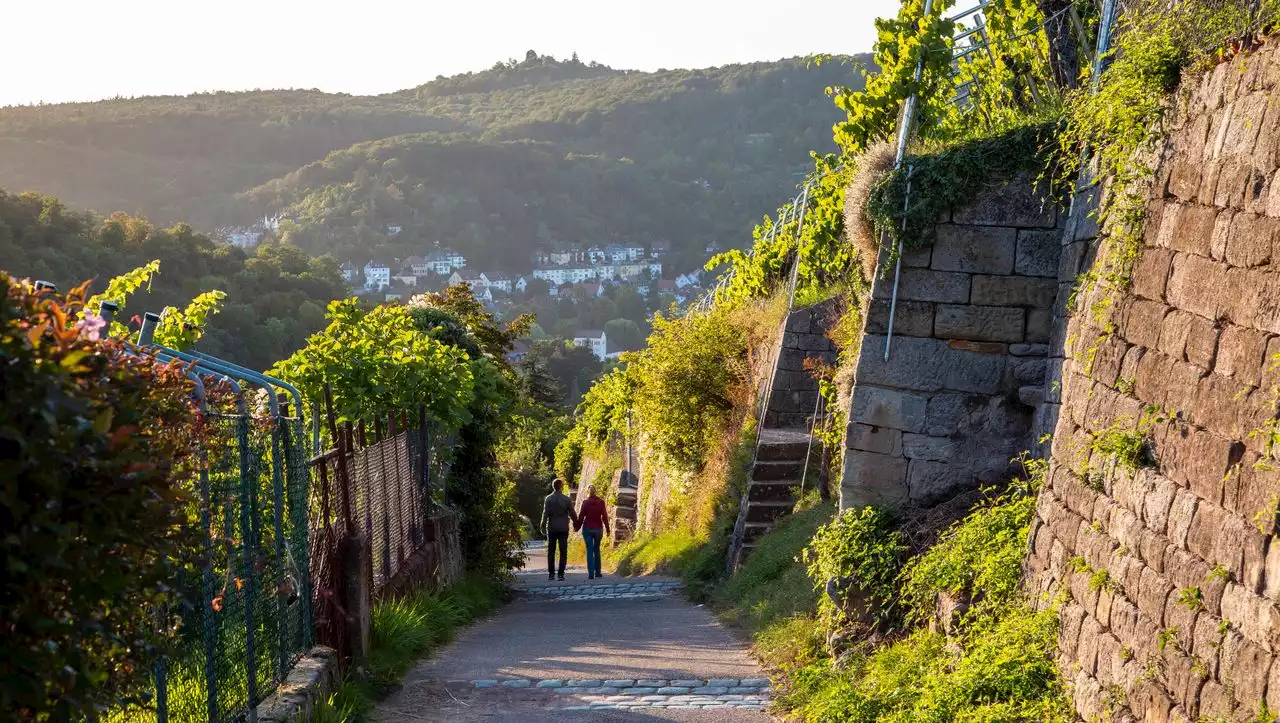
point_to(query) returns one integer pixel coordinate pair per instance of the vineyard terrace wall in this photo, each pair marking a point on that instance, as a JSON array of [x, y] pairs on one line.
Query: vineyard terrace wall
[[1168, 550], [956, 400]]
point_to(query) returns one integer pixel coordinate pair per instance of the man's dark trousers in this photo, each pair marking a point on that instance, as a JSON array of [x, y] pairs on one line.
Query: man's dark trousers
[[561, 539]]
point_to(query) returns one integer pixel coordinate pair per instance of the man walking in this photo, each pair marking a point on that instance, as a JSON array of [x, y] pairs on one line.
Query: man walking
[[557, 513], [594, 519]]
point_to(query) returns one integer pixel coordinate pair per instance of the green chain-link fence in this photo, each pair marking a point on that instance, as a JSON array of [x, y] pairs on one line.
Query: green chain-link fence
[[245, 612]]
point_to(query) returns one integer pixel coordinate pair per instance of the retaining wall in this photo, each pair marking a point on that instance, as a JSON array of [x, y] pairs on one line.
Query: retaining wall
[[956, 399], [1182, 619]]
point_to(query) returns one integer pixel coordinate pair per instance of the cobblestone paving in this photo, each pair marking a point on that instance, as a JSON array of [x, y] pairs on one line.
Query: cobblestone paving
[[609, 591], [613, 650], [714, 693]]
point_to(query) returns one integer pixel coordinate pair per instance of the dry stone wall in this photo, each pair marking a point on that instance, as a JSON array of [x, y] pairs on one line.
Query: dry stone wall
[[1173, 569], [956, 399], [804, 341]]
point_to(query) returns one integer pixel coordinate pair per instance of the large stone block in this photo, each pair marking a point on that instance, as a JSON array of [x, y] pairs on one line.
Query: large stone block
[[1151, 273], [975, 249], [869, 438], [891, 408], [1199, 285], [930, 482], [979, 323], [1174, 330], [1013, 203], [929, 365], [914, 318], [923, 446], [1038, 252], [1192, 230], [1039, 326], [1241, 354], [926, 285], [1202, 342], [1252, 239], [873, 479], [1013, 291], [1143, 321], [946, 412]]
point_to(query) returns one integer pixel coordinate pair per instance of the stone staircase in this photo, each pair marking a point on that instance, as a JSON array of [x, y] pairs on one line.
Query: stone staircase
[[775, 478]]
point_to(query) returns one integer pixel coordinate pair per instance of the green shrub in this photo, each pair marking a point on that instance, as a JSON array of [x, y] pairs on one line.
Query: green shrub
[[1001, 670], [859, 547], [689, 380], [95, 446], [980, 556]]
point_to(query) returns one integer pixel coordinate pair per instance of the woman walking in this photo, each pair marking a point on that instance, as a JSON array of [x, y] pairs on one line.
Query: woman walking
[[594, 518]]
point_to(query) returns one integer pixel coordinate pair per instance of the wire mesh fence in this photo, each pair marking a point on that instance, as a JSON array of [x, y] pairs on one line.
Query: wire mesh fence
[[243, 618], [380, 486]]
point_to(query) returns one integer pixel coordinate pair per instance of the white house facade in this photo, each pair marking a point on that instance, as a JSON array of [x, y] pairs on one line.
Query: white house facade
[[593, 339], [376, 275]]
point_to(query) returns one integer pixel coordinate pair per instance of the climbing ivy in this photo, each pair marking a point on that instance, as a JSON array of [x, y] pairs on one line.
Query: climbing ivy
[[1118, 126], [946, 179]]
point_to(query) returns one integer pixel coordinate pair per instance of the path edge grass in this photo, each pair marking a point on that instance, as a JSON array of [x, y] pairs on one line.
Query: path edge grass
[[406, 630]]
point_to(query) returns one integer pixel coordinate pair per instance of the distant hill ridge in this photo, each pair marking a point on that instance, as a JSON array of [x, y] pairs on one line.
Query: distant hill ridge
[[495, 162]]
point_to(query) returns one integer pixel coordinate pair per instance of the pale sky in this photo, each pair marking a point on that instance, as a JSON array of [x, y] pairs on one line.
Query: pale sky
[[70, 50]]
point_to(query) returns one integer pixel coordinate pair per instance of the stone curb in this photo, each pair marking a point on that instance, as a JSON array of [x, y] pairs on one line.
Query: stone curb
[[753, 690], [306, 685]]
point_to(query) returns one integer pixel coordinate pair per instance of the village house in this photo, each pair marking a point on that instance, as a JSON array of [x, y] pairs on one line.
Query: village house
[[500, 281], [563, 255], [477, 281], [350, 272], [377, 275], [444, 262], [593, 339], [631, 270]]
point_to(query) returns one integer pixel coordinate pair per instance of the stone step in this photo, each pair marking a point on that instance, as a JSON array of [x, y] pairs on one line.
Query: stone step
[[781, 451], [768, 511], [755, 530], [778, 471], [770, 492]]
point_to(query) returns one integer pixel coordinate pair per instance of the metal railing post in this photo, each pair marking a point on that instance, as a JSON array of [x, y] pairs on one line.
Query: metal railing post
[[904, 132]]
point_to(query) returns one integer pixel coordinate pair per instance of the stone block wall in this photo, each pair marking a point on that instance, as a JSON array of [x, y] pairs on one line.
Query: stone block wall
[[795, 392], [1172, 570], [955, 401]]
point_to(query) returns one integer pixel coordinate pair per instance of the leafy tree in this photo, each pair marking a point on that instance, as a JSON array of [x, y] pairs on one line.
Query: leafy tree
[[275, 295], [625, 334], [378, 362]]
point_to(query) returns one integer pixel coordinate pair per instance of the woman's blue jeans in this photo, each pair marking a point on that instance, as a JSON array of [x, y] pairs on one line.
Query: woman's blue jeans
[[592, 538]]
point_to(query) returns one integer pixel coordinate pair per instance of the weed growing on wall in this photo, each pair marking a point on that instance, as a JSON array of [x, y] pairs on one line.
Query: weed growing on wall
[[950, 177], [978, 559], [1119, 126]]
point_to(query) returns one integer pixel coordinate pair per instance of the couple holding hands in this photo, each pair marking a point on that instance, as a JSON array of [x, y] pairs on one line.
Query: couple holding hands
[[592, 519]]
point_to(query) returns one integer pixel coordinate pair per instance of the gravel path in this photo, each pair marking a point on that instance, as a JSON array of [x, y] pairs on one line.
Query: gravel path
[[615, 649]]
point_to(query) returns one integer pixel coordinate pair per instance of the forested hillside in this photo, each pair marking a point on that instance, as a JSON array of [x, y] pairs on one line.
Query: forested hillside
[[493, 162], [276, 295]]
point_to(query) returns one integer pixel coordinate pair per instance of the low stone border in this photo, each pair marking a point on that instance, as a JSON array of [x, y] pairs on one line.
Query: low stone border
[[619, 591], [714, 693], [311, 679]]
